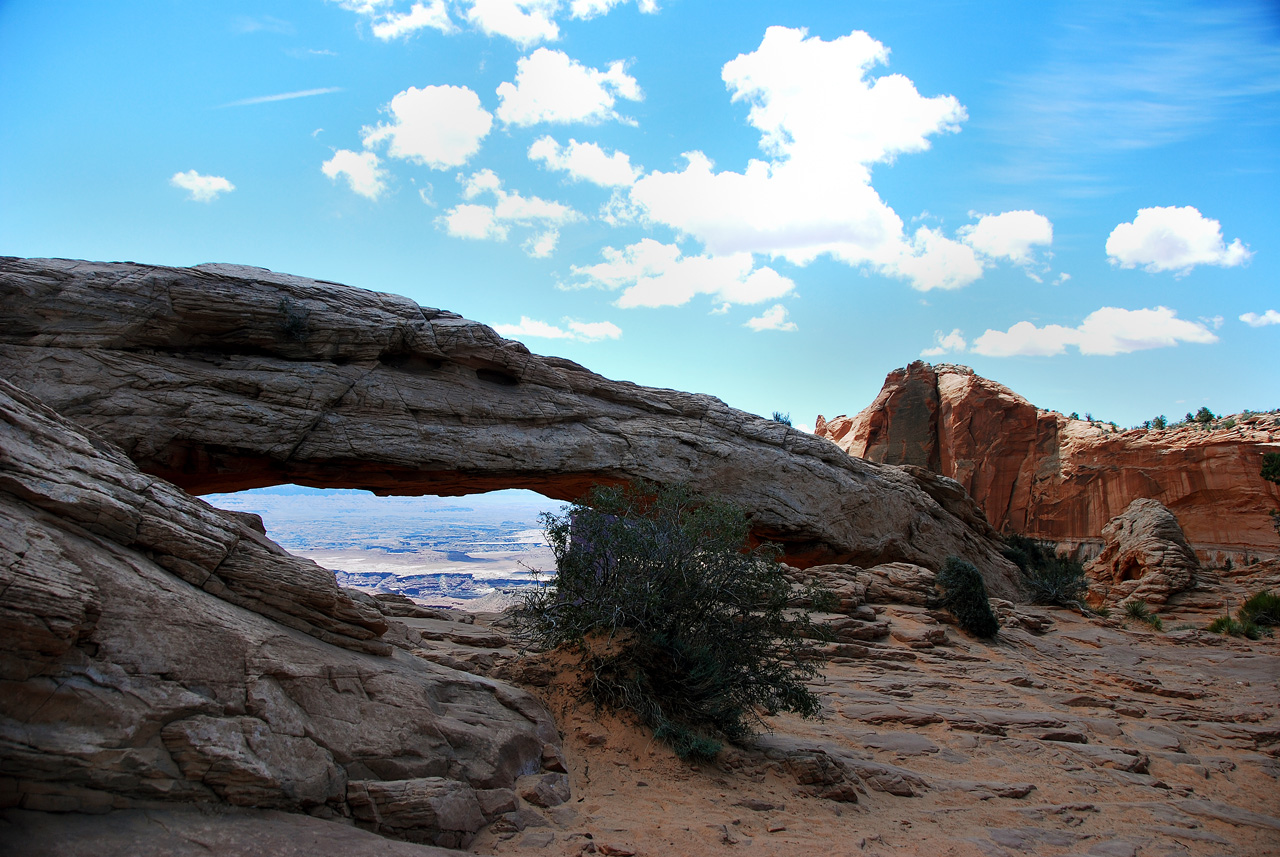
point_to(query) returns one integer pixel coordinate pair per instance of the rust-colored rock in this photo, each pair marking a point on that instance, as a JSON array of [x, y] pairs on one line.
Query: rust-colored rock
[[1144, 557], [1040, 473], [221, 378]]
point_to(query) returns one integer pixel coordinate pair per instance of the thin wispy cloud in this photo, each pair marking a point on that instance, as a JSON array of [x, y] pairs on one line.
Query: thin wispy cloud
[[282, 96], [1138, 75]]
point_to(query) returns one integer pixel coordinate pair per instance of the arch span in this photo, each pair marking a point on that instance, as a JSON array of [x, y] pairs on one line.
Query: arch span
[[219, 378]]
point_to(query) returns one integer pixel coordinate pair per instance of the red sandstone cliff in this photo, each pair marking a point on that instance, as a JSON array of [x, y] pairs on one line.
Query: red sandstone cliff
[[1040, 473]]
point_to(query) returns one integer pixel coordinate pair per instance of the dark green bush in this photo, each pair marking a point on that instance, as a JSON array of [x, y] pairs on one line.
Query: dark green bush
[[965, 595], [673, 618], [780, 417], [1271, 466], [1234, 627], [1261, 609], [1049, 577]]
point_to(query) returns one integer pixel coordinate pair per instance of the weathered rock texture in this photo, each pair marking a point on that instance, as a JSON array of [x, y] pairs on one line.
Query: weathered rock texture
[[1145, 557], [1039, 473], [221, 378], [157, 649]]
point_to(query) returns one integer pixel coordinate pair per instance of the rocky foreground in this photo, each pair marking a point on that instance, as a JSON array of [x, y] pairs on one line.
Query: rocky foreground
[[173, 682]]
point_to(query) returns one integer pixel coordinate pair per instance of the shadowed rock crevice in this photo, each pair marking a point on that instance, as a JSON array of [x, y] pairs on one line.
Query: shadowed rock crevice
[[204, 380]]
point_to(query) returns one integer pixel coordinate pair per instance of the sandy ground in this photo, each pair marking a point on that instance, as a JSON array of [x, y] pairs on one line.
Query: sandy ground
[[1096, 737]]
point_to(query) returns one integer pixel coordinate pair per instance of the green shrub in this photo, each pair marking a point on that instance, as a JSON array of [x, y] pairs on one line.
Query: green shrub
[[1262, 609], [1050, 578], [1204, 416], [780, 417], [1271, 466], [672, 617], [1137, 610], [1234, 627], [965, 595]]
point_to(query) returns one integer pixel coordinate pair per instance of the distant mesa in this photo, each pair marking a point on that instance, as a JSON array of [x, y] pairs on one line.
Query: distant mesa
[[1045, 475]]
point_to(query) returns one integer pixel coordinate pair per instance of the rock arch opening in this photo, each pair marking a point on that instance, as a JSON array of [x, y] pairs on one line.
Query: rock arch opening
[[473, 552]]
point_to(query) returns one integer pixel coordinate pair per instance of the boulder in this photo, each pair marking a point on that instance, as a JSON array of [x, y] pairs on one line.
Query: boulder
[[221, 378], [1145, 557], [1044, 475], [158, 649]]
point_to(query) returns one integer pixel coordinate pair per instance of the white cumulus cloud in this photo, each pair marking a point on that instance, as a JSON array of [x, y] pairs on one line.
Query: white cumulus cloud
[[653, 274], [1107, 331], [579, 331], [774, 318], [944, 343], [824, 121], [202, 188], [1173, 239], [552, 87], [525, 22], [509, 208], [1254, 320], [437, 126], [433, 14], [585, 162], [360, 169], [1010, 235]]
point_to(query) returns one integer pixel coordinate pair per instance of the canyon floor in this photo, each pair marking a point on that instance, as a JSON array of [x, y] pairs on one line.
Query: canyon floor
[[1096, 737]]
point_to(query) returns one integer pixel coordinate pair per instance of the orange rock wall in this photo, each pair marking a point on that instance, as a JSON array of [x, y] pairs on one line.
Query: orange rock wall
[[1040, 473]]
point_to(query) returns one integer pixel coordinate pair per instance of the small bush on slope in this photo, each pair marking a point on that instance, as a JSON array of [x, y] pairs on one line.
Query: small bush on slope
[[1262, 609], [965, 595], [1051, 578], [672, 617]]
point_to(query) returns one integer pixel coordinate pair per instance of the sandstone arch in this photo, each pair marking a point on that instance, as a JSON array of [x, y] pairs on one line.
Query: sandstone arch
[[220, 378]]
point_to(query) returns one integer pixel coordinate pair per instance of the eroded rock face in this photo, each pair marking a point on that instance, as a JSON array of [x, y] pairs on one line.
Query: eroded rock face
[[220, 378], [1041, 474], [1145, 557], [156, 648]]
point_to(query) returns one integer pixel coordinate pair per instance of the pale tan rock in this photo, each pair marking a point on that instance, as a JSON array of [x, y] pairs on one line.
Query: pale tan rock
[[1144, 557], [1041, 474], [157, 649], [221, 378]]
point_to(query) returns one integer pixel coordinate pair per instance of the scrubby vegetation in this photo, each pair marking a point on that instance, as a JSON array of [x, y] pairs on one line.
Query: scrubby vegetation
[[780, 417], [965, 595], [672, 618], [1050, 577], [1139, 610], [1271, 466], [1263, 609], [1234, 627]]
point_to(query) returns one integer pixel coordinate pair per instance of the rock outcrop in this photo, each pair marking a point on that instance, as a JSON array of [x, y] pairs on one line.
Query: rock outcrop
[[158, 649], [1042, 474], [1145, 557], [221, 378]]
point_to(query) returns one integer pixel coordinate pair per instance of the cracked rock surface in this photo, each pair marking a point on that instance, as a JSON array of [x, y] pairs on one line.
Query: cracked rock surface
[[221, 378]]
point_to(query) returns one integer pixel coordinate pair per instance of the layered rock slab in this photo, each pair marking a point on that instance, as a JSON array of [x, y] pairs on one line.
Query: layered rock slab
[[222, 378], [1042, 474], [157, 649], [1145, 557]]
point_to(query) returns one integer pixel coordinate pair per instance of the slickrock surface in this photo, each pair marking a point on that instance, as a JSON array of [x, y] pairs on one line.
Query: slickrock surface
[[1041, 474], [1144, 557], [1083, 737], [156, 649], [221, 378]]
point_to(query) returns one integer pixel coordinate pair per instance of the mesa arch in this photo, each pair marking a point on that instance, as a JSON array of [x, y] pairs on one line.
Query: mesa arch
[[222, 378]]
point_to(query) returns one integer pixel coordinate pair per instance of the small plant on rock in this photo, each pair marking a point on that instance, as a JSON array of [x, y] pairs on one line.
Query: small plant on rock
[[780, 417], [965, 595], [1052, 578], [1140, 611], [672, 617], [1234, 628], [1262, 609]]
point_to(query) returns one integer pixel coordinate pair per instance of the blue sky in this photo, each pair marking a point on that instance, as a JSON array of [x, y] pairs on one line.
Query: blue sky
[[772, 203]]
